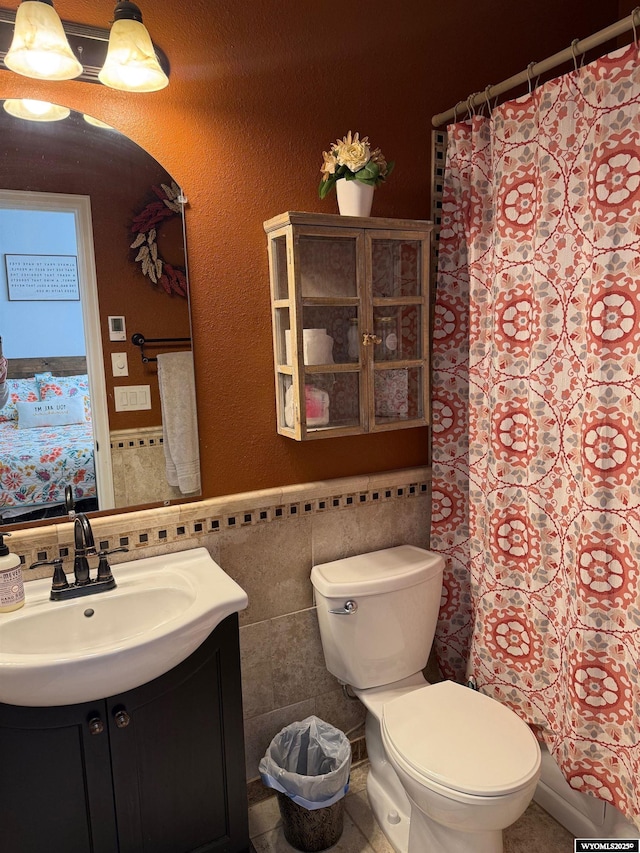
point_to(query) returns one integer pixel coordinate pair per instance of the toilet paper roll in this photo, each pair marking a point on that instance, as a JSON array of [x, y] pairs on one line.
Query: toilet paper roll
[[317, 346]]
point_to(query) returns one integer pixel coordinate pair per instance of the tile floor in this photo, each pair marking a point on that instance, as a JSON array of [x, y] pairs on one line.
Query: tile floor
[[535, 832]]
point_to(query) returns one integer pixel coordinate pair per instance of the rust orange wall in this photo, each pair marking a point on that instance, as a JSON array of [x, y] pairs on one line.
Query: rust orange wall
[[258, 90]]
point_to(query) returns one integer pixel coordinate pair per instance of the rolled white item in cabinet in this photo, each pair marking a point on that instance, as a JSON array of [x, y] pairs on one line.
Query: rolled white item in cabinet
[[317, 346]]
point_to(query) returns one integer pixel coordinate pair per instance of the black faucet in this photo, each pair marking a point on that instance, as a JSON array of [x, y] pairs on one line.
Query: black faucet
[[84, 544]]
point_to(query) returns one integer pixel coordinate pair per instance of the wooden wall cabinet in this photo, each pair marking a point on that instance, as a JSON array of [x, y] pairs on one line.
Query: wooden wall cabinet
[[158, 769], [349, 301]]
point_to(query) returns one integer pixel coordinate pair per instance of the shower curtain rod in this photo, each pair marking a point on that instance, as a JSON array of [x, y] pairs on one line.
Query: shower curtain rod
[[534, 69]]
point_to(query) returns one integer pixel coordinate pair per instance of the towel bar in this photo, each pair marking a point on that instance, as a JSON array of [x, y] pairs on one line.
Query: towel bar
[[139, 340]]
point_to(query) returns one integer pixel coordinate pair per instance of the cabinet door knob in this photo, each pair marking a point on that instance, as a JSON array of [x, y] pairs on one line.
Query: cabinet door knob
[[122, 718], [96, 726]]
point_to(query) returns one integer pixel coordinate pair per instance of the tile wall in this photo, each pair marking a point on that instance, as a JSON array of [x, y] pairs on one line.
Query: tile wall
[[138, 467], [268, 541]]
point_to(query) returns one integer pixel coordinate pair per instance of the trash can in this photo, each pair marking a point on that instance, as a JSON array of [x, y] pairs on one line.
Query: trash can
[[307, 764]]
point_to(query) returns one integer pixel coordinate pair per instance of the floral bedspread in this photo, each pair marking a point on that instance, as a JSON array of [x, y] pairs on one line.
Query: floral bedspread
[[37, 464]]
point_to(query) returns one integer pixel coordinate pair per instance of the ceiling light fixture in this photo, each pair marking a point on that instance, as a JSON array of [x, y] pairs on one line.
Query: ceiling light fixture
[[124, 59], [97, 123], [31, 110], [131, 64], [40, 48]]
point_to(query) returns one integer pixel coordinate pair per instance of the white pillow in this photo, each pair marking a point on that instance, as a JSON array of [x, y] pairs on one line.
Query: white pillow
[[57, 412]]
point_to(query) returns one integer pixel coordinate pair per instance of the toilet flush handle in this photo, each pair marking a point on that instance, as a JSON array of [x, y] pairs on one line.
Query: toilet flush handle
[[349, 608]]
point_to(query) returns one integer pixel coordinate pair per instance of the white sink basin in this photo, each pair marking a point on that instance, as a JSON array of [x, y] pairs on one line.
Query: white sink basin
[[83, 649]]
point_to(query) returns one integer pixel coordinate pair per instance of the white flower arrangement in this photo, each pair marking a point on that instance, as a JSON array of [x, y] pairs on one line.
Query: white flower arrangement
[[351, 158]]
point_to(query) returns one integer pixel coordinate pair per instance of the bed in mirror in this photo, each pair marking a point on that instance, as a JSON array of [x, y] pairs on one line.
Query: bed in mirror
[[92, 256]]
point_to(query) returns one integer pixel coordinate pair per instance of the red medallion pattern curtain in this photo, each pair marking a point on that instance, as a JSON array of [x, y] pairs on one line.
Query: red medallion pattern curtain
[[536, 417]]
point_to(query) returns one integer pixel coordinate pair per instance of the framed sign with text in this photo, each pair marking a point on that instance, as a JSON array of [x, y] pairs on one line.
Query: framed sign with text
[[42, 277]]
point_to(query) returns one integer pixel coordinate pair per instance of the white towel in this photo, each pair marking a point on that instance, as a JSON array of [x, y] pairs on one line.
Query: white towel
[[179, 420]]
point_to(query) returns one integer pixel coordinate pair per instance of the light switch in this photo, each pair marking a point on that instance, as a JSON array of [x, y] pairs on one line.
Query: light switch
[[119, 364], [129, 398]]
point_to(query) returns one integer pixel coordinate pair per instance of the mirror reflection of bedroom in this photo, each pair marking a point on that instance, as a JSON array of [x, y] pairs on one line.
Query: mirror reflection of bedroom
[[50, 424], [126, 209]]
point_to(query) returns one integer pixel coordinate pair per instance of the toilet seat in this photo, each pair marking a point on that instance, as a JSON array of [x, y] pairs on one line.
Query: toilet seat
[[447, 736]]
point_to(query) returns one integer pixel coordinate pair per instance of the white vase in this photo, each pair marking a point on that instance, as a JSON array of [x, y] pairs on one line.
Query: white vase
[[354, 197]]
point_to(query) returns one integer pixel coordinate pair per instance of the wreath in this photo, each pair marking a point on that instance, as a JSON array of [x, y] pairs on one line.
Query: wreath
[[172, 280]]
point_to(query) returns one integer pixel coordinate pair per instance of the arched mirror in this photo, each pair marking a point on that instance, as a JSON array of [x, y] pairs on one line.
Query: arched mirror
[[94, 320]]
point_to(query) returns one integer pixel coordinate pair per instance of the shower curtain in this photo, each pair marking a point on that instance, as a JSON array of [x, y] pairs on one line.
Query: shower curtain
[[536, 417]]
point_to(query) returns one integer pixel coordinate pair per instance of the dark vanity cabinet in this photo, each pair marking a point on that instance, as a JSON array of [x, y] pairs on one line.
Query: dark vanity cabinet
[[159, 769]]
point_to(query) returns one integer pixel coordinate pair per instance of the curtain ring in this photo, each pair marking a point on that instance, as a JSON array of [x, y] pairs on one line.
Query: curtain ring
[[456, 108], [574, 48], [633, 25], [487, 98], [530, 68], [470, 107], [575, 52]]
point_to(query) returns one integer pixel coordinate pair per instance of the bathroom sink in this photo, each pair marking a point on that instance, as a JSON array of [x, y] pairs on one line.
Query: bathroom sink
[[83, 649]]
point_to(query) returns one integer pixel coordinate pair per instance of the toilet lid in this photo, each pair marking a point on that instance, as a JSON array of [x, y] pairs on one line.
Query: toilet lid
[[377, 572], [461, 739]]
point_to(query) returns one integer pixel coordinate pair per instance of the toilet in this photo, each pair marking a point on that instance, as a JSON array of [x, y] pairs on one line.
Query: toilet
[[450, 768]]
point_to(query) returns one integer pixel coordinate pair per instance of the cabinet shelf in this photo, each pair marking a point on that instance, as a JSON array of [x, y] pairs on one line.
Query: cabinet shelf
[[330, 301], [381, 301], [349, 299], [397, 365]]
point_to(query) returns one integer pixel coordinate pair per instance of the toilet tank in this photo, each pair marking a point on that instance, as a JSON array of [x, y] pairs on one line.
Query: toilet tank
[[388, 635]]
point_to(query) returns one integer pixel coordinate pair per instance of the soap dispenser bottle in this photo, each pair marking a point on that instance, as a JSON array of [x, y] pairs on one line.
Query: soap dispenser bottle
[[11, 585]]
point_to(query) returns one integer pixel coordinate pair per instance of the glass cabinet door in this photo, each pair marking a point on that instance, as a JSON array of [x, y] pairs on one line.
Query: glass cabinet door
[[279, 275], [330, 273], [398, 304], [316, 333]]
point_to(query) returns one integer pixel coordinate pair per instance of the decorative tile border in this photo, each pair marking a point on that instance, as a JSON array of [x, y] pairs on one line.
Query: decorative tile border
[[169, 526], [438, 159], [132, 439]]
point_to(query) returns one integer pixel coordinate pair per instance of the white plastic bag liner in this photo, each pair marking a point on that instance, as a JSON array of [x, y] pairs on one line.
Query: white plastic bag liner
[[309, 761]]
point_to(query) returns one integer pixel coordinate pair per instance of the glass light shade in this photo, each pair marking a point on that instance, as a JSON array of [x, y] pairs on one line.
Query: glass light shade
[[131, 64], [35, 110], [97, 123], [39, 47]]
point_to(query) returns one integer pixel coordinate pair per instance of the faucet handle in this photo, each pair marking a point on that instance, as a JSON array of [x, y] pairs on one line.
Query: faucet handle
[[54, 562], [59, 577], [104, 569]]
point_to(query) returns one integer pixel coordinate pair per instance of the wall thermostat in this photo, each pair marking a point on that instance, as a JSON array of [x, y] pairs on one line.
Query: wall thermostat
[[117, 329]]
